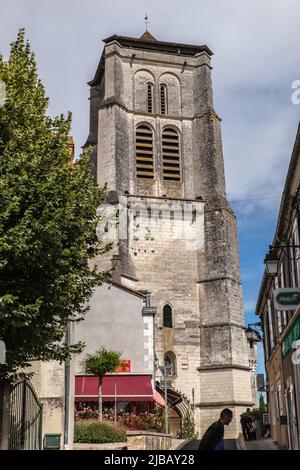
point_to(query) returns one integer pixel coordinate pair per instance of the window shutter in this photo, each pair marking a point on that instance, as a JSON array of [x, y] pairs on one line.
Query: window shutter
[[144, 152], [163, 99], [170, 155]]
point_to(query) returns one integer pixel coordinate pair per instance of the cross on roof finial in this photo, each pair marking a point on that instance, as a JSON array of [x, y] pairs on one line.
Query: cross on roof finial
[[146, 21]]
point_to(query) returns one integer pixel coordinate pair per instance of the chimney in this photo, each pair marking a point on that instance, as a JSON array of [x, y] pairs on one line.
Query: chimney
[[71, 148], [116, 269]]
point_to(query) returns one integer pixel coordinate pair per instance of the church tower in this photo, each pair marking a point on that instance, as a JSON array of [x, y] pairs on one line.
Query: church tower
[[156, 145]]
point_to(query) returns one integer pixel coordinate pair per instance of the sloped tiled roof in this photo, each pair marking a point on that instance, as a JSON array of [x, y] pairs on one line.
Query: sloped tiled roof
[[147, 37], [147, 41]]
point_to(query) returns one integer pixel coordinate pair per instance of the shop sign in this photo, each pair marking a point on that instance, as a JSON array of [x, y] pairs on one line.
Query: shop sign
[[290, 339], [286, 298], [124, 366], [266, 419], [260, 381]]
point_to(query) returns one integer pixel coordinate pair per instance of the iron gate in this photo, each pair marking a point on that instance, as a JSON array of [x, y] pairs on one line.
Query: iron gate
[[25, 430]]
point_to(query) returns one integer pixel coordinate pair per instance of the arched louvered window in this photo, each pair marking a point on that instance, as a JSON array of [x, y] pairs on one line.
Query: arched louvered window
[[150, 97], [144, 152], [171, 155], [163, 99], [167, 316], [170, 362]]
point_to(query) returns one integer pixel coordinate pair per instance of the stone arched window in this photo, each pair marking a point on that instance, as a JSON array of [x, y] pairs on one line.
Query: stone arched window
[[170, 362], [167, 316], [169, 91], [163, 92], [144, 152], [143, 91], [170, 154], [150, 97]]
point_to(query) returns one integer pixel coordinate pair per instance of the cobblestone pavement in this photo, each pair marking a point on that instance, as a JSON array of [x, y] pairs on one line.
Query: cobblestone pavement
[[261, 444]]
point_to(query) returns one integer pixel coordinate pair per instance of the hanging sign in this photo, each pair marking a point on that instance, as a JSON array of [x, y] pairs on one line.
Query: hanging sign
[[266, 418], [124, 366], [286, 298], [260, 381]]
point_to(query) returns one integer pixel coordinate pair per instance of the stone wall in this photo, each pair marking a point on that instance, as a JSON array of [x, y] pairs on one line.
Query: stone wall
[[200, 281], [55, 390], [48, 381], [144, 440]]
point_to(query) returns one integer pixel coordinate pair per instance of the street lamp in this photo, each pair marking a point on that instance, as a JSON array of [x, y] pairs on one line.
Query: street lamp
[[271, 262], [271, 259], [165, 370]]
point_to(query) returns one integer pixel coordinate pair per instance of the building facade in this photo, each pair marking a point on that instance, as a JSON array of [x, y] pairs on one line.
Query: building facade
[[117, 320], [122, 320], [156, 146], [282, 327], [54, 385]]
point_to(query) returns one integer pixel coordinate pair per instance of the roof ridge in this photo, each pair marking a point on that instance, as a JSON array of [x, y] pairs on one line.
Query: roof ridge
[[146, 36], [156, 43]]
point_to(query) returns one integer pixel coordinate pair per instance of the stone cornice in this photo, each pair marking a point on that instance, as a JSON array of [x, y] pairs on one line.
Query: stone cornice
[[222, 367], [219, 278], [217, 404], [220, 324], [137, 196], [115, 101]]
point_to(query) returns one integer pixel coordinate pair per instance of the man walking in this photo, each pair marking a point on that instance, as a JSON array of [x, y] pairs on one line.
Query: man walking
[[245, 422], [213, 438]]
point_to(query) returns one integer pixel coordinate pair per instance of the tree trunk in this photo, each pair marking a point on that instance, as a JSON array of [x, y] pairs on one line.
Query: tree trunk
[[100, 399]]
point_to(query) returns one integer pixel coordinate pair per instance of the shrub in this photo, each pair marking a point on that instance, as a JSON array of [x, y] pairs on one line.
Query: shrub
[[96, 432], [188, 427], [143, 421], [86, 413]]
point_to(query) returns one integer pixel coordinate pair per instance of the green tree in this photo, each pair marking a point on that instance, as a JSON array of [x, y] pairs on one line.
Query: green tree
[[48, 221], [100, 363], [188, 427], [262, 406]]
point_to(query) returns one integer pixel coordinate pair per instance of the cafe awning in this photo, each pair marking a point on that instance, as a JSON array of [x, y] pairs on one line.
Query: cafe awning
[[120, 386]]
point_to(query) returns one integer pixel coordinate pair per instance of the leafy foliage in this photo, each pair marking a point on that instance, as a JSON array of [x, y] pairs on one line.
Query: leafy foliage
[[188, 427], [48, 220], [101, 362], [262, 406], [153, 421], [96, 432]]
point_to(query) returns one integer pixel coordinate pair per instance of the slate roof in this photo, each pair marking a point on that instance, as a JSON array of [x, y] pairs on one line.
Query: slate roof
[[148, 42]]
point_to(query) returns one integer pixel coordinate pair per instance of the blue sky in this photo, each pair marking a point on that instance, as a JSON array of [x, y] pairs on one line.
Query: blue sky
[[256, 47]]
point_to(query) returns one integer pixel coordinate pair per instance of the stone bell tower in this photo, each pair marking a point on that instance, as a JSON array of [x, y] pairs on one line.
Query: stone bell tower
[[156, 145]]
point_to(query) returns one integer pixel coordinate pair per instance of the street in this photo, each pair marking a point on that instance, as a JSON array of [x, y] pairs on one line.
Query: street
[[231, 444]]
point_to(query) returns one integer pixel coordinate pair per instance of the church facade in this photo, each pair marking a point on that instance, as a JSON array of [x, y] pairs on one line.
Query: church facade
[[156, 146]]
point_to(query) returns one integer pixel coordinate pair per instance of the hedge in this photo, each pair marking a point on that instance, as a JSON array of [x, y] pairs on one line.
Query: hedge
[[98, 433]]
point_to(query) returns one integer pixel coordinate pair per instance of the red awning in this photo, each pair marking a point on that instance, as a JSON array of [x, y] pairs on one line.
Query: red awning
[[123, 387], [158, 398]]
